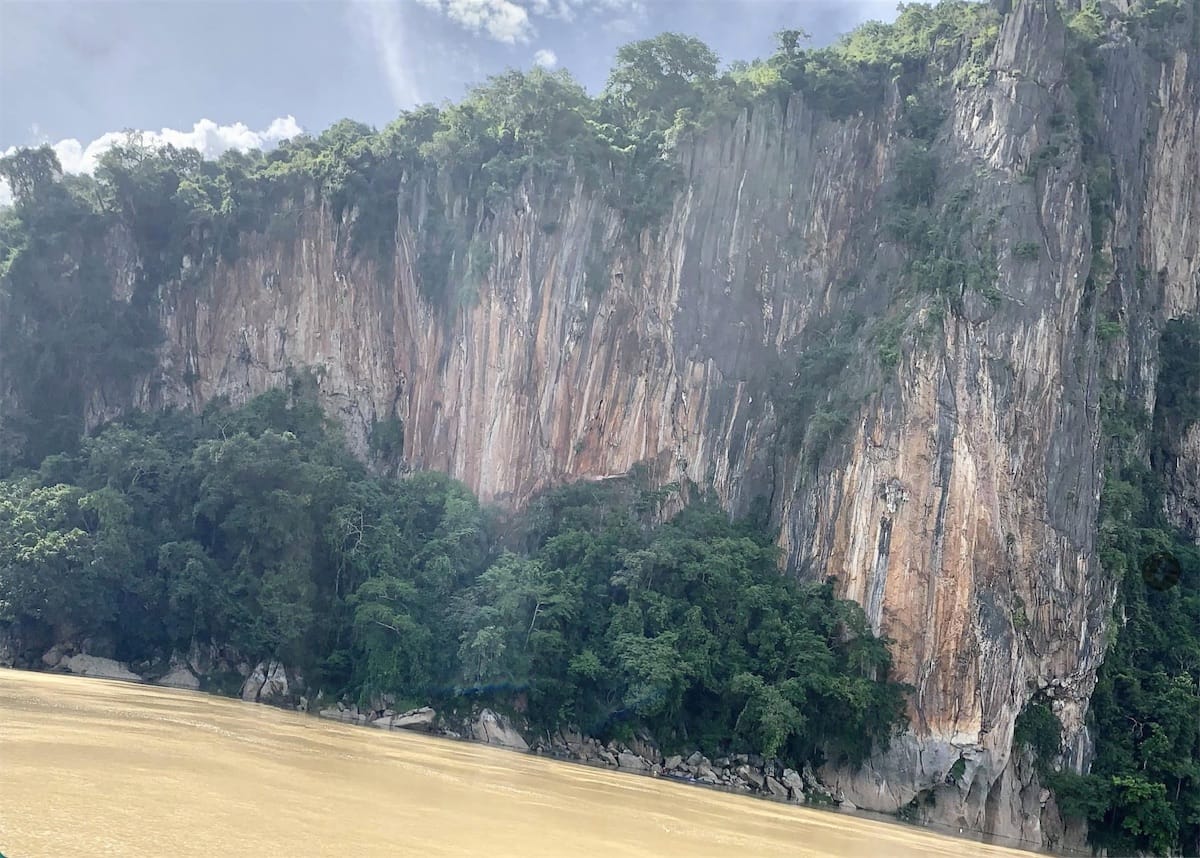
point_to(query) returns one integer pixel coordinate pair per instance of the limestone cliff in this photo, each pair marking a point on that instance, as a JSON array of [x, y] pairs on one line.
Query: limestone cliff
[[955, 495]]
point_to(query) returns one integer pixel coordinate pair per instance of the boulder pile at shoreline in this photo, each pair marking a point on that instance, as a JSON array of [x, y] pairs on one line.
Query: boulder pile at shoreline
[[748, 773]]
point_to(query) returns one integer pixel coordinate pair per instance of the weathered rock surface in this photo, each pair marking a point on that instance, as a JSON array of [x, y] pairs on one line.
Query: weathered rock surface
[[105, 668], [630, 760], [495, 729], [270, 682], [180, 676], [416, 719], [960, 507]]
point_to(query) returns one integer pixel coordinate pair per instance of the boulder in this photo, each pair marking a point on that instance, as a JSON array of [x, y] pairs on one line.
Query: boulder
[[775, 788], [695, 758], [495, 729], [629, 760], [416, 719], [106, 668], [53, 656], [793, 781], [179, 676], [333, 714], [673, 762], [269, 682], [384, 722], [644, 747]]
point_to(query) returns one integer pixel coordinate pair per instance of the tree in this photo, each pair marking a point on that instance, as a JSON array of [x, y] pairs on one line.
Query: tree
[[654, 78], [30, 173]]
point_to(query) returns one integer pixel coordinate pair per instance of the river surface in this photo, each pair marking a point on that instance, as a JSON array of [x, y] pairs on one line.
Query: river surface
[[91, 767]]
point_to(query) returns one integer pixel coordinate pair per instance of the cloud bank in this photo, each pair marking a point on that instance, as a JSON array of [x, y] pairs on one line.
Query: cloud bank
[[209, 138], [545, 58], [513, 21]]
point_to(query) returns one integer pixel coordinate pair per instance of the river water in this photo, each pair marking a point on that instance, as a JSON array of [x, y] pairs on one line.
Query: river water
[[90, 767]]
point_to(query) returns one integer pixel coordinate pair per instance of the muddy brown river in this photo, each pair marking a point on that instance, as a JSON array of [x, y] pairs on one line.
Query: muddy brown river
[[91, 767]]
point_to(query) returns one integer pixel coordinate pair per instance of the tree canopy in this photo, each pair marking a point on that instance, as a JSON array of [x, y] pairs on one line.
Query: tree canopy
[[254, 527]]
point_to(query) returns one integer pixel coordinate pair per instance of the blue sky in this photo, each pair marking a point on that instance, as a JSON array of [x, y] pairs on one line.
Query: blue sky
[[73, 71]]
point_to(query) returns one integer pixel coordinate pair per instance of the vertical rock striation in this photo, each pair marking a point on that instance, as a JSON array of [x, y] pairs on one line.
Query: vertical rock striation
[[959, 503]]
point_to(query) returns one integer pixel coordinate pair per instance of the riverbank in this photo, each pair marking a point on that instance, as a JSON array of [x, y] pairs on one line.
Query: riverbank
[[739, 774], [273, 683], [749, 773], [136, 770]]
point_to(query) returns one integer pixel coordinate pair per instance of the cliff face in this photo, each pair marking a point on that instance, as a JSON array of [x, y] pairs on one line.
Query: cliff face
[[958, 504]]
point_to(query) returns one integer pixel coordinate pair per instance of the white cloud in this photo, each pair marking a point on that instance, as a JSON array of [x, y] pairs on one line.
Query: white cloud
[[545, 58], [502, 20], [513, 21], [380, 22], [209, 138]]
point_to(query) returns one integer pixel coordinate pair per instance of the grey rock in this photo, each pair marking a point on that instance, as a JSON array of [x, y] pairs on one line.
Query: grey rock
[[629, 760], [105, 668], [180, 676], [53, 656], [775, 788], [267, 683], [495, 729], [673, 762], [416, 719]]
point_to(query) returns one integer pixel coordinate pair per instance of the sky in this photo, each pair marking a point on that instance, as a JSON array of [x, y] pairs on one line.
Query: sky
[[220, 74]]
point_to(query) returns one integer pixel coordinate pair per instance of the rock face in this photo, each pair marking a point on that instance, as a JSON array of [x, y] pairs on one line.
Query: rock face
[[105, 668], [422, 719], [270, 682], [495, 729], [180, 676], [959, 505]]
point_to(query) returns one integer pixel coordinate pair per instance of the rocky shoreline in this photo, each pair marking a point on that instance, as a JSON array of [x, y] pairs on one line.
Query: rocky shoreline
[[748, 773], [273, 683]]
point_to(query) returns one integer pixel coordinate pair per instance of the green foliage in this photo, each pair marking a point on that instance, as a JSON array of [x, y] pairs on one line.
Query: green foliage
[[950, 41], [654, 79], [915, 177], [888, 338], [1088, 24], [686, 629], [948, 254], [387, 438], [255, 528], [956, 771], [1038, 729], [63, 332], [812, 401], [1108, 330], [1027, 251], [1143, 791]]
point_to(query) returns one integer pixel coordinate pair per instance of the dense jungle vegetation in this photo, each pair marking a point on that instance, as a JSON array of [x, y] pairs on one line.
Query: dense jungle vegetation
[[254, 527]]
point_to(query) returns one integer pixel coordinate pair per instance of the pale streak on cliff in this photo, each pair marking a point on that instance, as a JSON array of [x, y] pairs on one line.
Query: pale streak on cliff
[[960, 506]]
